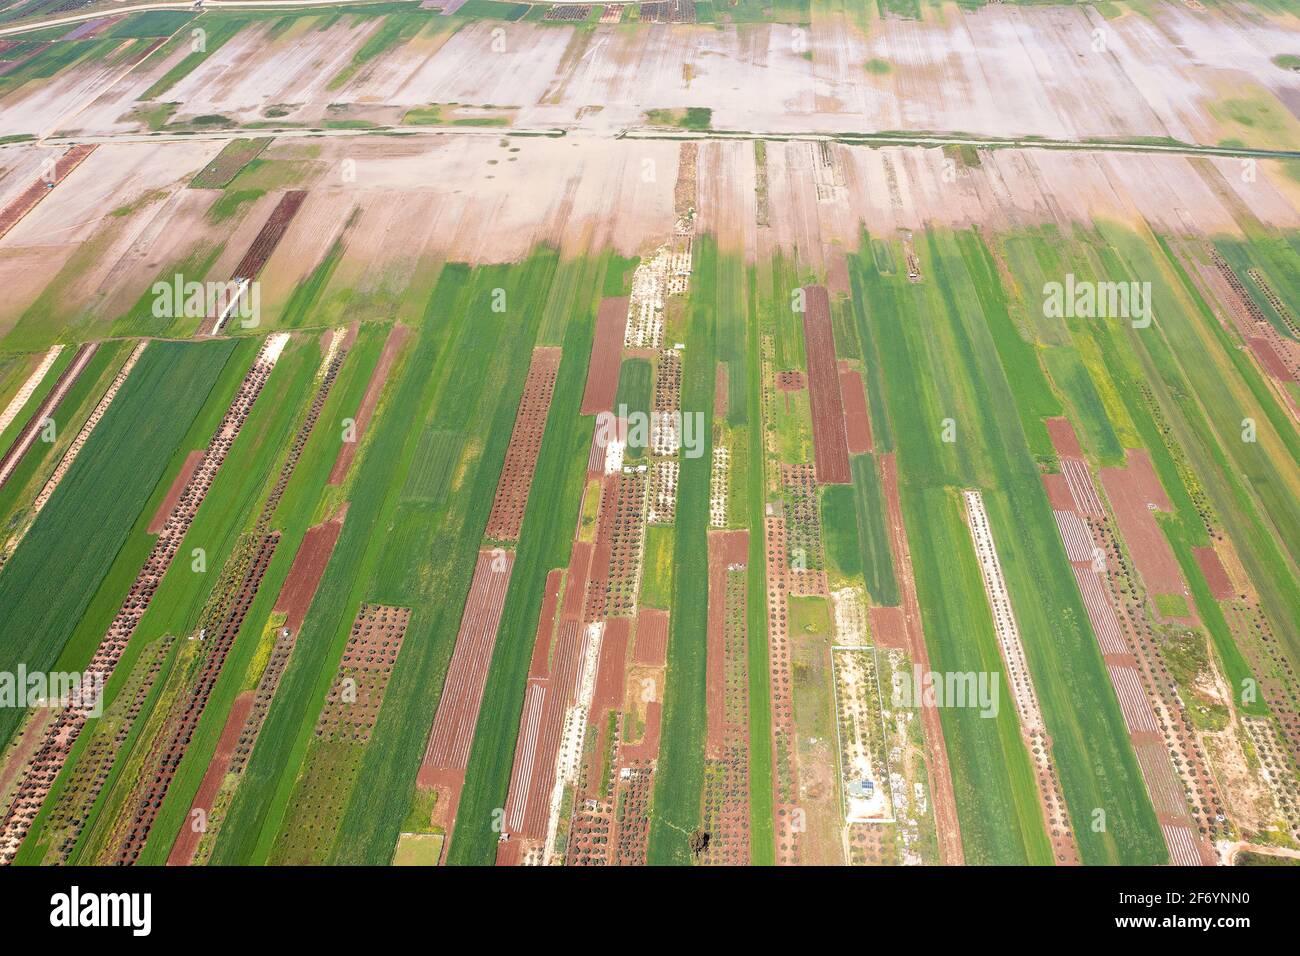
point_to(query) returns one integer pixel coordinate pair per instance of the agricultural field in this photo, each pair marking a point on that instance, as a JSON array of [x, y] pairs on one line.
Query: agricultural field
[[490, 434]]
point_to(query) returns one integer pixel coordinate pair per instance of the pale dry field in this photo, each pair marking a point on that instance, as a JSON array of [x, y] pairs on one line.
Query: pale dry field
[[124, 217], [1003, 70]]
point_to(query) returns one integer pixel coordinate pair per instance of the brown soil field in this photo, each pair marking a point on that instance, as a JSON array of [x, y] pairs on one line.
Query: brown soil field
[[651, 648], [308, 567], [168, 504], [1270, 360], [525, 441], [462, 691], [606, 349], [277, 224], [888, 627], [830, 446], [187, 840], [611, 671], [857, 420], [1134, 491], [1216, 575], [1064, 439], [1058, 492]]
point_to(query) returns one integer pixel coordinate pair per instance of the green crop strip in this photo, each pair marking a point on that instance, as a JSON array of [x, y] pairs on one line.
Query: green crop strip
[[679, 780]]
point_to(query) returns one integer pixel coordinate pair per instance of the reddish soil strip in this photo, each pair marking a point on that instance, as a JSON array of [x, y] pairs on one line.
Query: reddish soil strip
[[187, 841], [272, 231], [184, 718], [1216, 575], [53, 399], [830, 444], [1058, 492], [1078, 479], [509, 853], [1064, 440], [857, 420], [525, 441], [651, 648], [720, 386], [606, 349], [608, 693], [63, 733], [27, 200], [539, 737], [609, 675], [936, 752], [462, 692], [541, 723], [24, 746], [1270, 360], [308, 567], [1129, 491], [179, 483], [1139, 465], [541, 662], [348, 450], [888, 627], [575, 589], [725, 549], [525, 803], [616, 560]]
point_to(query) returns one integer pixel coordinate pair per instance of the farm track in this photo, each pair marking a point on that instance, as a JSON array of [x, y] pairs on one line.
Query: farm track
[[67, 726]]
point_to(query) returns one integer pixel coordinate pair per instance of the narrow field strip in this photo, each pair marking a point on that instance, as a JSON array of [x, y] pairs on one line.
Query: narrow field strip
[[28, 387], [1021, 682], [69, 456], [27, 436]]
